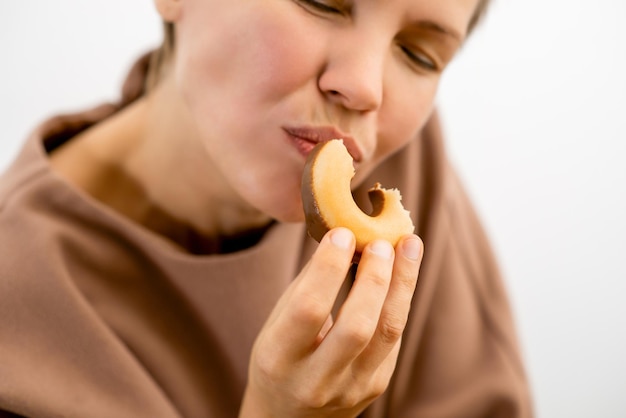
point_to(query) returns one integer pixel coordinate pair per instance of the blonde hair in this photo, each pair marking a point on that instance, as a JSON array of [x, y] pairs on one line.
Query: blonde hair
[[162, 56]]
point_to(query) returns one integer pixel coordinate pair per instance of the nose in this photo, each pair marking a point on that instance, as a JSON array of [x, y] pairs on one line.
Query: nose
[[353, 76]]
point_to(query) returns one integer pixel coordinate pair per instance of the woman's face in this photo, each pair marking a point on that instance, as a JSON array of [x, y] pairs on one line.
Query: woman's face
[[264, 80]]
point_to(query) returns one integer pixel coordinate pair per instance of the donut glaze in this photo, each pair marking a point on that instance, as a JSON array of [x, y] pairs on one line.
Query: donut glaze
[[328, 203]]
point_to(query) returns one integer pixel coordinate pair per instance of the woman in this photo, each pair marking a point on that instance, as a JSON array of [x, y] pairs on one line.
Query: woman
[[156, 261]]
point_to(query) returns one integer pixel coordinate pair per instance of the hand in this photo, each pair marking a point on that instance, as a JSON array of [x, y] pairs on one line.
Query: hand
[[304, 363]]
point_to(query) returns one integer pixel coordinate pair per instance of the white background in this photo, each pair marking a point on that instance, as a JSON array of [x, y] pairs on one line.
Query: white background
[[535, 113]]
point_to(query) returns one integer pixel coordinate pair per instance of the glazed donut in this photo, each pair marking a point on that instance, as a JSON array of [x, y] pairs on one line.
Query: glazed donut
[[328, 202]]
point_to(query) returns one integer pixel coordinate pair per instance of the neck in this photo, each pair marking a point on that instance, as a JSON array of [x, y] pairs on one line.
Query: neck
[[148, 163]]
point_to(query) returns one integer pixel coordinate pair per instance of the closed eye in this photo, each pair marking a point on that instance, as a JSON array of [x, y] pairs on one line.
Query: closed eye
[[322, 7], [420, 59]]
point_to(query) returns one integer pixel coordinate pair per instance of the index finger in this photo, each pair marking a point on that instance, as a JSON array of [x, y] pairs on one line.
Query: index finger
[[311, 300]]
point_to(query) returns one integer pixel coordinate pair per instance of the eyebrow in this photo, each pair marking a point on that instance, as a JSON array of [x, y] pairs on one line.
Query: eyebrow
[[430, 25]]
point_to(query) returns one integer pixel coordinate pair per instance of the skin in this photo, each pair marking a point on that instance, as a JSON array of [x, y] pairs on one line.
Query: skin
[[208, 148]]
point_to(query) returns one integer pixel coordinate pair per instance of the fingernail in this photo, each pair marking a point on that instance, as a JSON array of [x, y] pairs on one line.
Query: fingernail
[[341, 238], [381, 248], [412, 248]]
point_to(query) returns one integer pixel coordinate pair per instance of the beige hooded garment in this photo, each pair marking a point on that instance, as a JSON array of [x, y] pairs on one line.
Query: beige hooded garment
[[100, 317]]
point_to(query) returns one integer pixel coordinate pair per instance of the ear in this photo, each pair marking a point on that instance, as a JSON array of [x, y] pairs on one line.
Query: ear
[[169, 9]]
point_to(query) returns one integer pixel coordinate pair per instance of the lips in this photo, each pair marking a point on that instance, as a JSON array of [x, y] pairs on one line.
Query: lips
[[305, 139]]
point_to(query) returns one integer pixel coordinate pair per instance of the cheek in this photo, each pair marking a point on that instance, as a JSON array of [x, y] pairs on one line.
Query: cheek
[[257, 50], [399, 121], [239, 81], [405, 113], [278, 56]]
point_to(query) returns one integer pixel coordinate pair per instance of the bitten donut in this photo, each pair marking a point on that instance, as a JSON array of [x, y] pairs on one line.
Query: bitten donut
[[328, 202]]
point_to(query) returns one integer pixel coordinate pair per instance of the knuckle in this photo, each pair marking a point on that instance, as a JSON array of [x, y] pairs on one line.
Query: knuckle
[[375, 278], [379, 386], [312, 398], [309, 311], [351, 398], [360, 394], [331, 267], [406, 278], [359, 333], [391, 329], [268, 366]]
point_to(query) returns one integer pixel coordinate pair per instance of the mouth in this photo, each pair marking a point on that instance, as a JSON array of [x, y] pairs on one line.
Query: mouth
[[306, 138]]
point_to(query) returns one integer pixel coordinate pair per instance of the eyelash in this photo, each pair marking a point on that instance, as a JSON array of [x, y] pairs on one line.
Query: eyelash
[[426, 63], [321, 6]]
